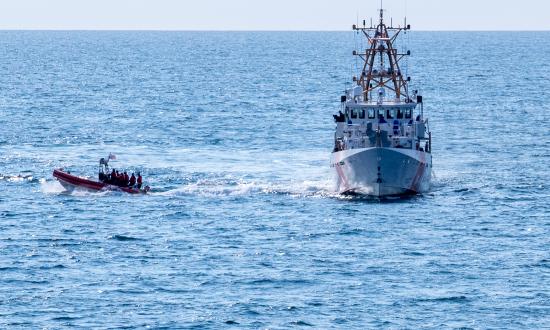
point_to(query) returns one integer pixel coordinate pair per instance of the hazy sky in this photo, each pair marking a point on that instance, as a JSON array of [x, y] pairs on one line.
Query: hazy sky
[[271, 15]]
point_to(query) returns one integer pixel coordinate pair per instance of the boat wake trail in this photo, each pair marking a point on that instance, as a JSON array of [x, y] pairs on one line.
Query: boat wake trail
[[231, 187], [51, 187]]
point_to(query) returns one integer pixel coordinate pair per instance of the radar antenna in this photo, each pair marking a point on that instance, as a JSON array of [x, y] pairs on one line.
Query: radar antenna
[[381, 61]]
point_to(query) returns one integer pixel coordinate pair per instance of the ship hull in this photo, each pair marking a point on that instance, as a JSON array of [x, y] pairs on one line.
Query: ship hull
[[382, 172]]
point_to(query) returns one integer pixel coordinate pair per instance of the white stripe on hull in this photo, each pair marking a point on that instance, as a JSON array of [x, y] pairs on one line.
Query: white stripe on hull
[[382, 171]]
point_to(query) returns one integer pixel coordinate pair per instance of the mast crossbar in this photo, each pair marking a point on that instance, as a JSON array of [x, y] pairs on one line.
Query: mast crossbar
[[388, 73]]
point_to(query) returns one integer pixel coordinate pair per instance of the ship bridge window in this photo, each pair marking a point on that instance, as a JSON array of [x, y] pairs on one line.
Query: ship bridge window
[[353, 113], [372, 114], [380, 113], [408, 113], [362, 114], [390, 114], [399, 114]]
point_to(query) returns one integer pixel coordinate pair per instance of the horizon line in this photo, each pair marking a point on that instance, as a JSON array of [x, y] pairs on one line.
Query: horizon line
[[239, 30]]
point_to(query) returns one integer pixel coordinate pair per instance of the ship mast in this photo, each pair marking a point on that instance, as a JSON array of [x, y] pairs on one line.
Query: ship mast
[[382, 52]]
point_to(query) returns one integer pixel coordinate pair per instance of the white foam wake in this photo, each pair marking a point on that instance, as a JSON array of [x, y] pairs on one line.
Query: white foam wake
[[55, 188], [214, 188], [51, 187]]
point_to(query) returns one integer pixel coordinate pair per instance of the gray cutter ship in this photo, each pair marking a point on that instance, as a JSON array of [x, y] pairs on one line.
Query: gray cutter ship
[[382, 144]]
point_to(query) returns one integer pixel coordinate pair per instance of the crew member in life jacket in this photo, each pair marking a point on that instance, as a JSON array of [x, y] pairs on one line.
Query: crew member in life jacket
[[126, 179], [116, 180], [139, 180], [132, 180]]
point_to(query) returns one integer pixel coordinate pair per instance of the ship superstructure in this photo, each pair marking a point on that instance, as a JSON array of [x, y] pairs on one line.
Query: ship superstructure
[[382, 143]]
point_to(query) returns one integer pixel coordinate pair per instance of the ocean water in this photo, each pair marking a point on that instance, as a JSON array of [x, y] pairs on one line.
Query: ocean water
[[233, 132]]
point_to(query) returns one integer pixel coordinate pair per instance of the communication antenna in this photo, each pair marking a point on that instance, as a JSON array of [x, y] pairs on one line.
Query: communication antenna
[[406, 7]]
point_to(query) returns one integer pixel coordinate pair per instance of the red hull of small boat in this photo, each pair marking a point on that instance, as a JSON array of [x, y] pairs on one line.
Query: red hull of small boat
[[70, 181]]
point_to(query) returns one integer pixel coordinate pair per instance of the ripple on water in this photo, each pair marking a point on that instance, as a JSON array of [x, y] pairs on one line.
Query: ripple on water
[[124, 238]]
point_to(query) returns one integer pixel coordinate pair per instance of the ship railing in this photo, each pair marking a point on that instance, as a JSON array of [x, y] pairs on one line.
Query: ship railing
[[369, 142]]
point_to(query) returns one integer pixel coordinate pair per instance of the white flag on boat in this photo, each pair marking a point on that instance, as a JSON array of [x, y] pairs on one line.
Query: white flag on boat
[[111, 156]]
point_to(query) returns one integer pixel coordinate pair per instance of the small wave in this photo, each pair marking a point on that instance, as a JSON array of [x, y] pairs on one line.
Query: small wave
[[18, 281], [277, 282], [252, 312], [132, 291], [544, 263], [124, 238], [18, 178], [301, 323], [354, 231], [172, 291], [454, 299], [414, 254], [58, 266], [65, 318]]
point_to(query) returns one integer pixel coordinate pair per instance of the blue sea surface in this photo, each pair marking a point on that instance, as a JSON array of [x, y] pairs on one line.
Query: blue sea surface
[[233, 131]]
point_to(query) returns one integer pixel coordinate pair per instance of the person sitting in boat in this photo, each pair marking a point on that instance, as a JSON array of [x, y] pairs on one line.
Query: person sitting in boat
[[132, 180], [139, 180], [126, 179], [113, 176], [121, 179], [116, 179]]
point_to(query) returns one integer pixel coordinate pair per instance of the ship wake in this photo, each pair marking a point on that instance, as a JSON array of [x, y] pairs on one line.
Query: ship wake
[[241, 187]]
